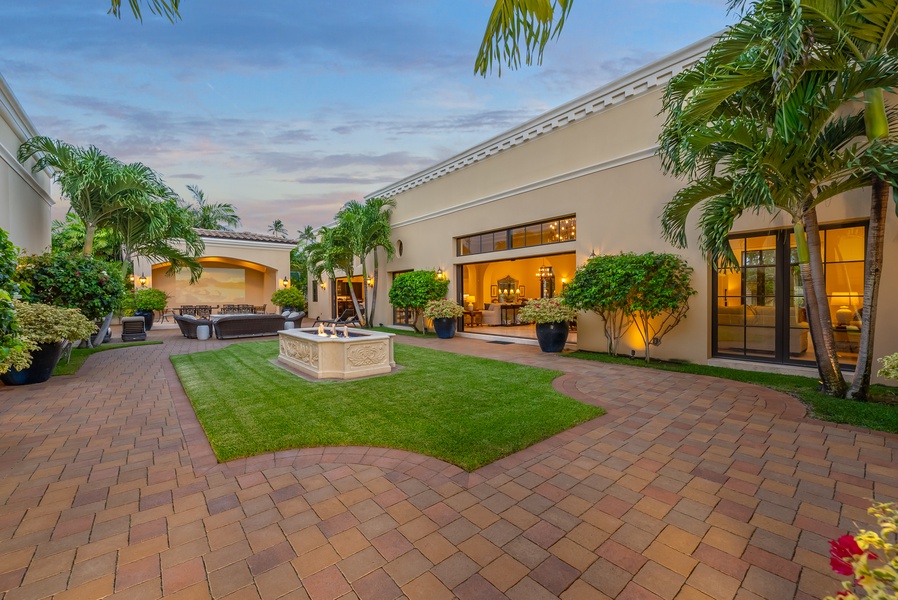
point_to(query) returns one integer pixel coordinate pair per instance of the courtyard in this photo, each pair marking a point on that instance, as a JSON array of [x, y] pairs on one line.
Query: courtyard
[[688, 488]]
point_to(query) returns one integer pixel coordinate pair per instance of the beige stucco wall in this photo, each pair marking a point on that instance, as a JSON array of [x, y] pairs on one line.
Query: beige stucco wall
[[264, 265], [601, 169], [24, 198]]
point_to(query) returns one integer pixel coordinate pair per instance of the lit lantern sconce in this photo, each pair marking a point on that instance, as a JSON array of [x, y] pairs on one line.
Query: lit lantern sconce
[[285, 282], [440, 275], [143, 280], [323, 285], [371, 282]]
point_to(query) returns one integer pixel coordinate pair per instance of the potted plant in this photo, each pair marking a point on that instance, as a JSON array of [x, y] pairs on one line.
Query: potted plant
[[46, 329], [444, 313], [551, 316], [148, 300], [290, 298]]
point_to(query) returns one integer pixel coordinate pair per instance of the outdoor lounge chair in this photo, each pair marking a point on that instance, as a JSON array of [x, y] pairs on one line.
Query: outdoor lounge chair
[[189, 324], [134, 329], [347, 318]]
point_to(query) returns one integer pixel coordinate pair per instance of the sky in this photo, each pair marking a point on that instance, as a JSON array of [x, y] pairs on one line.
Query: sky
[[289, 108]]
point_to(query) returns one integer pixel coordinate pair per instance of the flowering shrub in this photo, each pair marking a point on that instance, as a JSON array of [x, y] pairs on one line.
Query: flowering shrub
[[444, 308], [851, 556], [547, 310], [889, 366]]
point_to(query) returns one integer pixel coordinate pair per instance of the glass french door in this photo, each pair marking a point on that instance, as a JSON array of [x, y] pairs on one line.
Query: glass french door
[[760, 313]]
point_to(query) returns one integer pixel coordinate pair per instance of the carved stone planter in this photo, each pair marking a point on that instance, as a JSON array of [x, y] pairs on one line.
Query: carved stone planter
[[362, 354]]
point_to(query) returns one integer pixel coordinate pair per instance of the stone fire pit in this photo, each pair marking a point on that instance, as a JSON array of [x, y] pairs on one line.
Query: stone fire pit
[[351, 354]]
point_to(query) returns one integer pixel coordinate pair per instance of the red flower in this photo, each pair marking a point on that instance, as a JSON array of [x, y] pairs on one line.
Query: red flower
[[841, 549]]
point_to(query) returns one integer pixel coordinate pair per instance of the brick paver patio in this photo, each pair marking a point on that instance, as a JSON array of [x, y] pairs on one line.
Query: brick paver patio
[[689, 488]]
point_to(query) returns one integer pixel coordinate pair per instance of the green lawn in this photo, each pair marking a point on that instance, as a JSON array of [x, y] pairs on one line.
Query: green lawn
[[465, 410], [79, 355], [880, 414]]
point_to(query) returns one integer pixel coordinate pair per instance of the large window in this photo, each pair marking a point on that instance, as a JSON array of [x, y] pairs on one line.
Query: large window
[[760, 311], [562, 229]]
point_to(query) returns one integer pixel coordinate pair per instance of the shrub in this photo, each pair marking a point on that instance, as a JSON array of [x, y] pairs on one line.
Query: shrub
[[547, 310], [81, 282], [150, 299], [444, 308], [602, 285], [44, 324], [13, 349], [413, 290], [889, 366], [290, 296]]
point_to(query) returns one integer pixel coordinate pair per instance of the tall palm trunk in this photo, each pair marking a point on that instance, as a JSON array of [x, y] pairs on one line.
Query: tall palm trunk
[[90, 231], [374, 288], [860, 386], [819, 320], [877, 126]]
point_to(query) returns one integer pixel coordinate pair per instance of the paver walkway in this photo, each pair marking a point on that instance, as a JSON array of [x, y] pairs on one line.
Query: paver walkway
[[689, 488]]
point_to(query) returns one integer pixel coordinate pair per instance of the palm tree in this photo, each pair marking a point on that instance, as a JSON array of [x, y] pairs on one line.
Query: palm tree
[[513, 23], [329, 254], [217, 216], [161, 231], [166, 8], [744, 151], [277, 228], [96, 185], [795, 38]]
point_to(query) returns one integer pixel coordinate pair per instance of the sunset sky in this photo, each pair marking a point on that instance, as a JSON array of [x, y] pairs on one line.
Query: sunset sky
[[289, 108]]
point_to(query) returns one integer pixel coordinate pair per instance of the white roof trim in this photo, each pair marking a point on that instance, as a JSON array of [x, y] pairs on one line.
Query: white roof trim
[[625, 88], [12, 112], [233, 243]]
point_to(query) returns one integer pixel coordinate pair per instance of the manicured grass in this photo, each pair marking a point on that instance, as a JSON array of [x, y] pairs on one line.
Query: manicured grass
[[881, 413], [408, 332], [79, 355], [464, 410]]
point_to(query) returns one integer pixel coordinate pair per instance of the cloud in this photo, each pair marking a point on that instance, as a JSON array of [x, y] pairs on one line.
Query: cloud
[[348, 179]]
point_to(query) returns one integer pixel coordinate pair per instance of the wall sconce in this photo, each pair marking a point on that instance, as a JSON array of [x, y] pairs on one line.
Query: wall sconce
[[592, 254], [323, 285], [143, 280], [440, 275], [132, 278], [285, 282], [371, 282]]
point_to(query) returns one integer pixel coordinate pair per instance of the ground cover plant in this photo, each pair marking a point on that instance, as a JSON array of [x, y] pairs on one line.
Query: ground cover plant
[[881, 413], [465, 410], [80, 355]]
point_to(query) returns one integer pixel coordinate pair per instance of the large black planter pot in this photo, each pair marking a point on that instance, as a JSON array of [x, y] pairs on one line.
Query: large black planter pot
[[43, 361], [445, 327], [551, 336], [148, 317]]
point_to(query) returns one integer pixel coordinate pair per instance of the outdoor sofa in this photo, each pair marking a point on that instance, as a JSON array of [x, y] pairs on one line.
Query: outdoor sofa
[[234, 326], [188, 325]]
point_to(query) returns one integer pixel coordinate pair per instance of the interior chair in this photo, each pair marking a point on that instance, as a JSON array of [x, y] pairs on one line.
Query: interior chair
[[134, 329], [492, 315]]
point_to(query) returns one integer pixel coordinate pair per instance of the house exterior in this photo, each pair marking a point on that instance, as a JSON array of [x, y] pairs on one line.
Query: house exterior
[[585, 179], [238, 268], [24, 197]]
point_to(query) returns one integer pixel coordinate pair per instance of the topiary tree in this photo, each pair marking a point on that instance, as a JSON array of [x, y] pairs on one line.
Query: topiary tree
[[413, 290], [650, 291], [602, 285], [92, 286], [659, 296]]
